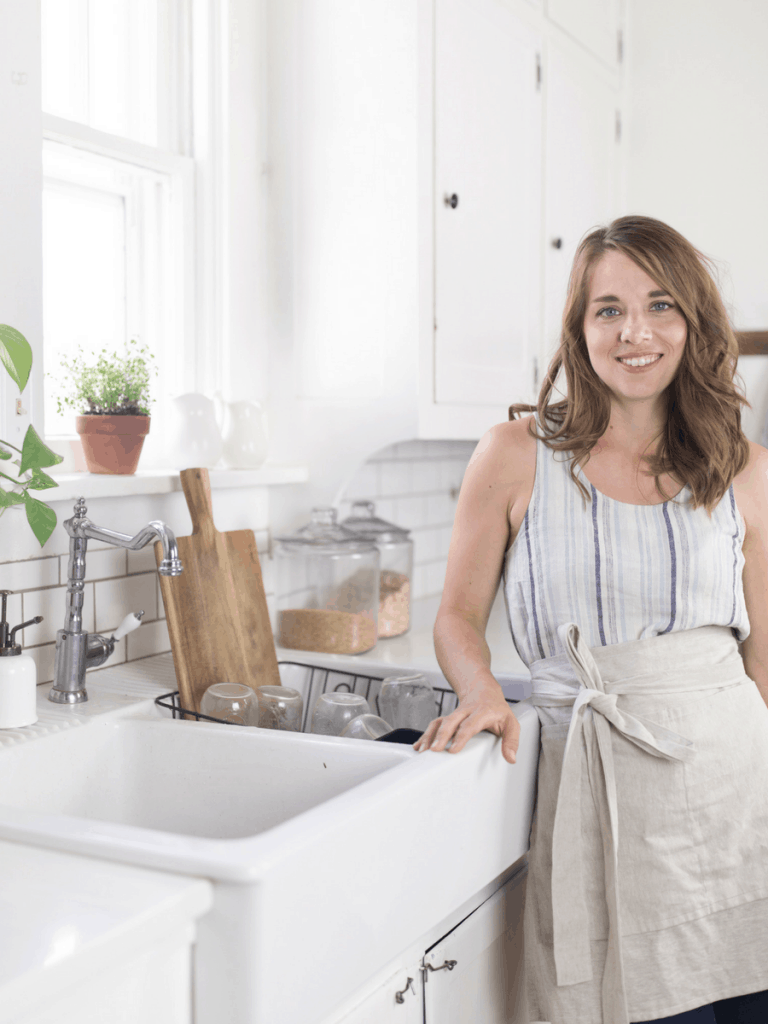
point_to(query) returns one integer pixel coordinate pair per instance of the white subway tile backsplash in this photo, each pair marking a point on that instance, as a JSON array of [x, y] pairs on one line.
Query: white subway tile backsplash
[[410, 513], [143, 560], [267, 572], [425, 475], [37, 572], [440, 509], [114, 599], [425, 545], [102, 565], [148, 639], [52, 605], [444, 541], [385, 509], [418, 582], [395, 478], [262, 543]]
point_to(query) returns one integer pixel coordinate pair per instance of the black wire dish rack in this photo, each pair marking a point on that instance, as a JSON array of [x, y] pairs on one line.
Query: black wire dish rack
[[326, 680]]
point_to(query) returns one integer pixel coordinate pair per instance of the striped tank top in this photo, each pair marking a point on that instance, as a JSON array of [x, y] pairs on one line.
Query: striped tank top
[[622, 572]]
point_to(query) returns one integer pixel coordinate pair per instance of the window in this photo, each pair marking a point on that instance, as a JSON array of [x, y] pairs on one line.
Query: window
[[119, 202]]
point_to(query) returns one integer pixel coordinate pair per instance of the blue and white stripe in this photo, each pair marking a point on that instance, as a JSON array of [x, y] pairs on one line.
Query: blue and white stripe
[[621, 571]]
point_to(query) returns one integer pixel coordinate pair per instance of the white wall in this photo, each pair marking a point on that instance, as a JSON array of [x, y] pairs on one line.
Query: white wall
[[697, 148], [342, 269]]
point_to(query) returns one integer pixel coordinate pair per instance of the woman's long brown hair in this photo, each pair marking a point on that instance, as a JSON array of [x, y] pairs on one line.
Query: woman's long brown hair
[[703, 443]]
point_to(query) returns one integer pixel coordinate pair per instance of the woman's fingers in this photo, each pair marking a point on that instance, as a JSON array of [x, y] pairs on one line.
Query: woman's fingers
[[460, 726]]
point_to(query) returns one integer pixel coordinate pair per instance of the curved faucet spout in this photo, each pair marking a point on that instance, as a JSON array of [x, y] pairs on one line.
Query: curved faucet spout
[[74, 650]]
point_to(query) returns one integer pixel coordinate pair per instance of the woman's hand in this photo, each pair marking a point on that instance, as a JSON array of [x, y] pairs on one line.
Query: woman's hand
[[483, 708]]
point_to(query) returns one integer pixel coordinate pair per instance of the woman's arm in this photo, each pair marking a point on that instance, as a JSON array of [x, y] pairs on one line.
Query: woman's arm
[[478, 544]]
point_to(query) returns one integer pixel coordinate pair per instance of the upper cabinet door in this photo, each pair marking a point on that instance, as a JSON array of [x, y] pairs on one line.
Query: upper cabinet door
[[583, 142], [593, 23], [487, 205]]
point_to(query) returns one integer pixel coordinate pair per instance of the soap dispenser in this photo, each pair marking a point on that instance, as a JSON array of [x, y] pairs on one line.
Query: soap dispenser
[[18, 675]]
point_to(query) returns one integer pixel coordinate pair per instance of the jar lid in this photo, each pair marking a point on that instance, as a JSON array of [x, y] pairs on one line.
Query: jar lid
[[324, 532], [364, 522]]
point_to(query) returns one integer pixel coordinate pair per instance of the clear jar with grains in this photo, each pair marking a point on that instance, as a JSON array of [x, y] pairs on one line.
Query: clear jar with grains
[[327, 588], [396, 566]]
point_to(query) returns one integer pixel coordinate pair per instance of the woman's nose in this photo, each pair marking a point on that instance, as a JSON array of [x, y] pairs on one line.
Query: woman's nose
[[636, 329]]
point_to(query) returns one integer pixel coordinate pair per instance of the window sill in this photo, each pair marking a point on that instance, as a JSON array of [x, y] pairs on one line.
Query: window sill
[[165, 481]]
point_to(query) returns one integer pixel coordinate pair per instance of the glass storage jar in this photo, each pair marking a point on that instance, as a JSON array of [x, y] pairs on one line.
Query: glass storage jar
[[327, 588], [396, 566]]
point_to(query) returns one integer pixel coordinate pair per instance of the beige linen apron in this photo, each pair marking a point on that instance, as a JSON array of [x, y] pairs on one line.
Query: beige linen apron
[[651, 817]]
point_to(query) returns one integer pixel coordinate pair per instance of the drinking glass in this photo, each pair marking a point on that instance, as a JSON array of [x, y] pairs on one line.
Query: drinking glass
[[233, 702], [407, 701], [280, 707], [333, 711], [366, 727]]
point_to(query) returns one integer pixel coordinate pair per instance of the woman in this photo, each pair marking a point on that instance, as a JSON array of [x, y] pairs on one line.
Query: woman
[[641, 611]]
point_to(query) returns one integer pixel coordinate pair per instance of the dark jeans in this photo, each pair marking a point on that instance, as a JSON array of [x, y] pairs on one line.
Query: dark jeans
[[749, 1009]]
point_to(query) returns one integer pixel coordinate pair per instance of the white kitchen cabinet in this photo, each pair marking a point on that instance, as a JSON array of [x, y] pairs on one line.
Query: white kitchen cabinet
[[398, 1001], [395, 302], [487, 117], [596, 24], [583, 143], [473, 973], [485, 983]]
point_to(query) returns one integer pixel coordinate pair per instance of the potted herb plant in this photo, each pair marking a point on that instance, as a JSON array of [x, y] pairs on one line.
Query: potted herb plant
[[16, 357], [112, 398]]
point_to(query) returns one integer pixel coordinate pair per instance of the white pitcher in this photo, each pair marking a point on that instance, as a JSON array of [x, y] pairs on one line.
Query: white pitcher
[[194, 437], [245, 435]]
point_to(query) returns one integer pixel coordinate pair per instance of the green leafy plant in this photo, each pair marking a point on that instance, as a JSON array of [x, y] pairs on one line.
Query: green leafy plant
[[16, 357], [115, 386]]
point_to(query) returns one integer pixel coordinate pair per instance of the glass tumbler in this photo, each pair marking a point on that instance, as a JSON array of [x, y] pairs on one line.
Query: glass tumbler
[[407, 701], [232, 702], [366, 727], [280, 707], [334, 711]]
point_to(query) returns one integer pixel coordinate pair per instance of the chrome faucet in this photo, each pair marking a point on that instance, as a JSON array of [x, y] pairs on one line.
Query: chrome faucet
[[77, 650]]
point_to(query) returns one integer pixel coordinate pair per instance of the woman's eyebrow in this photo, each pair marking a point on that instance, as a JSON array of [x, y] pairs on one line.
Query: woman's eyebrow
[[614, 298]]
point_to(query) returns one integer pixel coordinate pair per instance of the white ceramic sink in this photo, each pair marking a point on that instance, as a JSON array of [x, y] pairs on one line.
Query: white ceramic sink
[[328, 855], [188, 778]]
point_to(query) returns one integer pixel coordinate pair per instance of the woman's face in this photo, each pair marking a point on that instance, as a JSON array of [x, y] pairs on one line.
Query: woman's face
[[629, 314]]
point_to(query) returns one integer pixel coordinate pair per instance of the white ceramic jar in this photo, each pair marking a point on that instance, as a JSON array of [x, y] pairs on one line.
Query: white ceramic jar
[[245, 435], [194, 437]]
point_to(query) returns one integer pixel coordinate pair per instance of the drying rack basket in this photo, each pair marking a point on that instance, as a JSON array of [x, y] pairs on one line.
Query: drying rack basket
[[322, 680]]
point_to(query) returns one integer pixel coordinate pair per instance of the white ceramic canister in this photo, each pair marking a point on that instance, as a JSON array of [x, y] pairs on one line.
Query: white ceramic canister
[[245, 435], [18, 676], [194, 438]]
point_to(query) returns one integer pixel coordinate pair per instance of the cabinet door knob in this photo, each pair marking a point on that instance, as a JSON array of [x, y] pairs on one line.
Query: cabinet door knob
[[452, 201], [557, 243]]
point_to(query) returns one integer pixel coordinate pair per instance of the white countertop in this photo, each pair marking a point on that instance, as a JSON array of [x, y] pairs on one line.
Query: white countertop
[[66, 917]]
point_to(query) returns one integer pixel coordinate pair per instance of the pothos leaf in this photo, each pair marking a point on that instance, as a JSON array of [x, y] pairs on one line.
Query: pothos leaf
[[8, 498], [40, 481], [41, 518], [15, 355], [5, 454], [35, 454]]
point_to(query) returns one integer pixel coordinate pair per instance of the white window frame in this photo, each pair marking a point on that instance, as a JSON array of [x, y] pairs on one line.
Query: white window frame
[[199, 203]]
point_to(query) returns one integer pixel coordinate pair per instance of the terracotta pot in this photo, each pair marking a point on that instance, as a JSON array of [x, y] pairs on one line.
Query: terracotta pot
[[112, 444]]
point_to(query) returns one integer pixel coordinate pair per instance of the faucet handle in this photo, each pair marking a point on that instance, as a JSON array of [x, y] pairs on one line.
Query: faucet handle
[[130, 622], [80, 508]]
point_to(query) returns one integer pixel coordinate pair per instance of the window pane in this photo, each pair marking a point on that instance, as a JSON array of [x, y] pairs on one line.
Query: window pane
[[84, 274], [100, 65]]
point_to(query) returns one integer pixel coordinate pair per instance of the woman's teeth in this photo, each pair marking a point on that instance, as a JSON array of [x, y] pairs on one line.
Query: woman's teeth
[[640, 362]]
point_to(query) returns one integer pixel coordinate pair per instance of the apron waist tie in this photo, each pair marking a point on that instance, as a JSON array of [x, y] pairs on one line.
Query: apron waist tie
[[594, 712]]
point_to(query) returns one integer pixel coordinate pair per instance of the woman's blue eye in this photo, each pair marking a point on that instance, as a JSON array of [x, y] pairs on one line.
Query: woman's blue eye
[[663, 302], [608, 309]]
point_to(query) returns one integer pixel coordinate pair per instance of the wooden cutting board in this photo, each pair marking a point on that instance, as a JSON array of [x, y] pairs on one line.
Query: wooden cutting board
[[216, 609]]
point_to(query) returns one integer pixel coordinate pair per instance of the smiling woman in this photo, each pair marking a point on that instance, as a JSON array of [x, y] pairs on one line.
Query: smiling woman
[[639, 288]]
